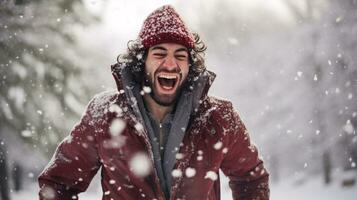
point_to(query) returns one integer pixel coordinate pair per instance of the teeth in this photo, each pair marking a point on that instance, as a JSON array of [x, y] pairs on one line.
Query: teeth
[[167, 76]]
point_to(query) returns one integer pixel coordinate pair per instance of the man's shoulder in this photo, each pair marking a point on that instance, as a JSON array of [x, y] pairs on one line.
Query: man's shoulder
[[216, 107], [221, 114], [103, 98], [219, 102], [101, 102]]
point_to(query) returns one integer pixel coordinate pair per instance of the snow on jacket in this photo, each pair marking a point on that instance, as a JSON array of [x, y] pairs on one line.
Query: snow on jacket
[[215, 139]]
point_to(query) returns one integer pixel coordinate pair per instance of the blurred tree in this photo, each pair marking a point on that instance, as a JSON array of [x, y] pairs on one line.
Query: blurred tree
[[300, 77], [327, 167], [336, 47], [328, 30], [339, 40], [4, 176], [40, 68], [17, 176]]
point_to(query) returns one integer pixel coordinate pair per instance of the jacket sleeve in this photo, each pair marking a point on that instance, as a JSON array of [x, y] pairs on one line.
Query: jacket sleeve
[[73, 165], [248, 178]]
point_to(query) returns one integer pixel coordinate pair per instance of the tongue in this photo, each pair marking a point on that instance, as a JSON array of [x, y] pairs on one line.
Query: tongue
[[166, 82]]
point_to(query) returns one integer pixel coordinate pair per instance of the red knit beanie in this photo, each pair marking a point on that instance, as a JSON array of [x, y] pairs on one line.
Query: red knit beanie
[[165, 25]]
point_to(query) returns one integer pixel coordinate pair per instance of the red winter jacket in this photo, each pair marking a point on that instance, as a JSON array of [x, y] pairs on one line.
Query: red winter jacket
[[215, 139]]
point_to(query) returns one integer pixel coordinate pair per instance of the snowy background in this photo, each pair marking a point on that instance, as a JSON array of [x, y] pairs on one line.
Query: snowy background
[[289, 67]]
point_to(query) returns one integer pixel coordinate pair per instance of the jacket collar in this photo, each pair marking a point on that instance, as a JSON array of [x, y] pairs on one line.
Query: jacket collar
[[121, 72]]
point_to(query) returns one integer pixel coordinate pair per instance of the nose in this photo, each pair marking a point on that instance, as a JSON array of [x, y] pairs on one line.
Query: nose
[[170, 63]]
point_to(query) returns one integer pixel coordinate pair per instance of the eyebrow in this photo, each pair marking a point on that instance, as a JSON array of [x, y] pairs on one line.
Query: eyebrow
[[159, 48], [181, 49]]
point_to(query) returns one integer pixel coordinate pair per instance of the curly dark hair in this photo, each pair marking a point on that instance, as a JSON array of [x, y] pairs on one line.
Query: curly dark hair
[[136, 55]]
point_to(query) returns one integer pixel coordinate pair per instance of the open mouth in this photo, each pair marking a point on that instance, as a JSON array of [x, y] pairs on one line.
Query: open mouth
[[168, 82]]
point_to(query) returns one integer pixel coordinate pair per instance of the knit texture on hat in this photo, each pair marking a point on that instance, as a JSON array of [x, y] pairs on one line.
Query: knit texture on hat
[[165, 25]]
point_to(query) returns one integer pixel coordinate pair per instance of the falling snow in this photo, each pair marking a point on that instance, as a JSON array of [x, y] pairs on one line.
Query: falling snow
[[147, 89], [176, 173], [116, 127], [140, 164], [311, 115], [211, 175], [190, 172], [218, 145]]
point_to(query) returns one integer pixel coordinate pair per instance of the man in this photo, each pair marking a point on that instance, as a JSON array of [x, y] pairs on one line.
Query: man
[[159, 136]]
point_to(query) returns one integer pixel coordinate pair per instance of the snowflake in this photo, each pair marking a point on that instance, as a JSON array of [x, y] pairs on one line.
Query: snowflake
[[190, 172], [116, 127], [48, 193], [146, 89], [176, 173], [116, 109], [26, 133], [211, 175], [140, 164], [225, 150], [218, 145], [179, 156]]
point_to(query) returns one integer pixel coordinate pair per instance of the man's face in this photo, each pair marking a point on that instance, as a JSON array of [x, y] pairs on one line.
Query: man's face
[[166, 69]]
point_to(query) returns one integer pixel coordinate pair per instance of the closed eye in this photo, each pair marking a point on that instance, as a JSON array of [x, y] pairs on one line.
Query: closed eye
[[159, 55], [181, 57]]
